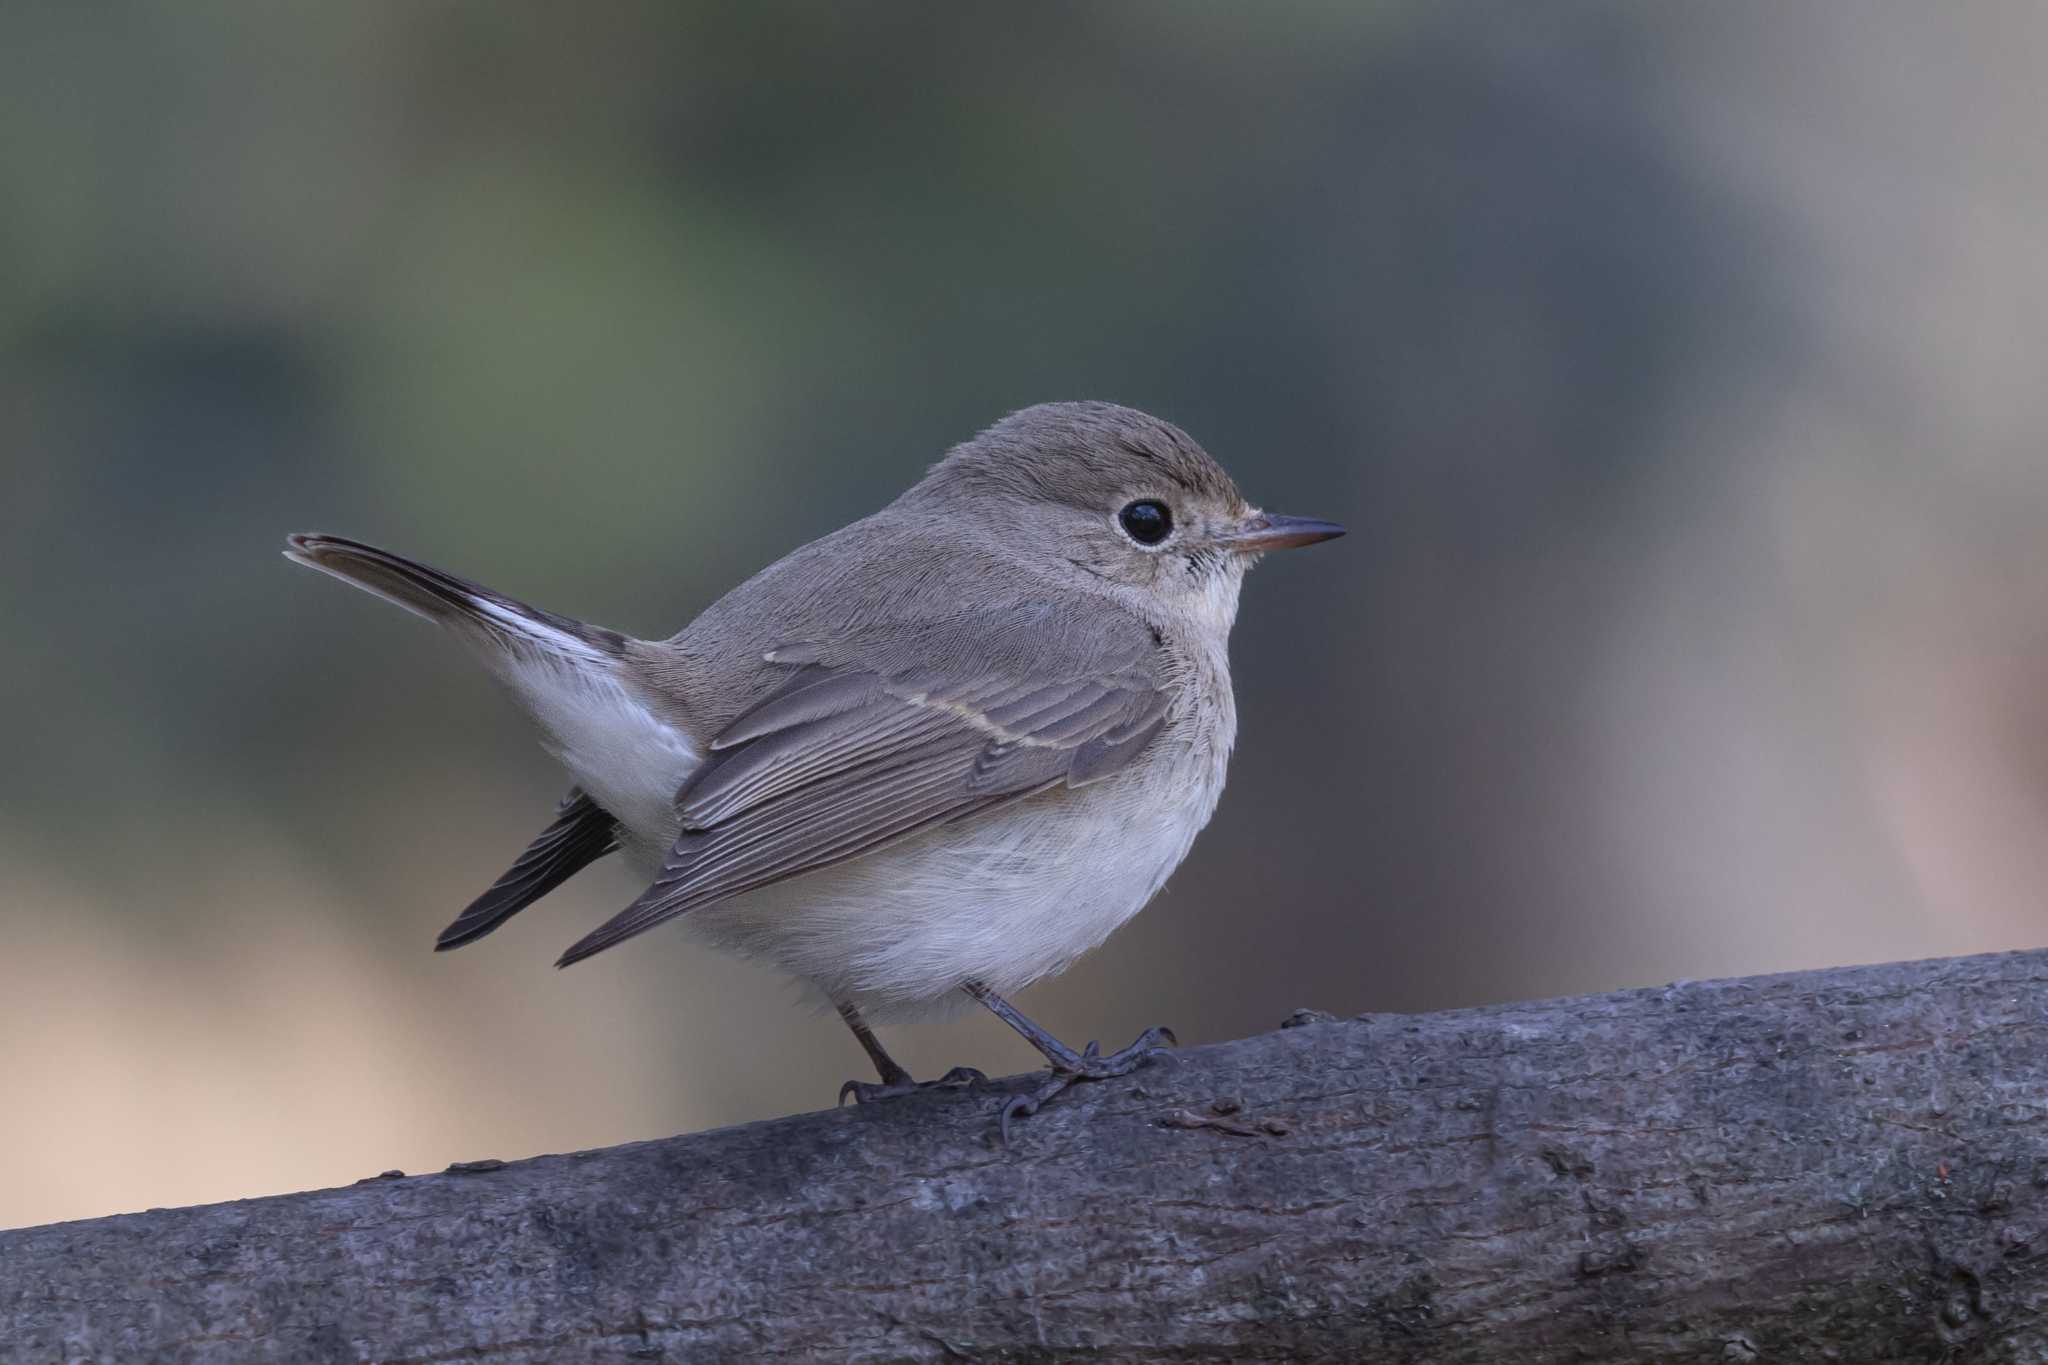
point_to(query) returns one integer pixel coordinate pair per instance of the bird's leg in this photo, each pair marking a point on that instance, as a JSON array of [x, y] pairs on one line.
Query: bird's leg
[[885, 1065], [895, 1080], [1068, 1065]]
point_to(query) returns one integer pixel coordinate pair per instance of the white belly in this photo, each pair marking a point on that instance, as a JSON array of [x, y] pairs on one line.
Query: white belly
[[1003, 899]]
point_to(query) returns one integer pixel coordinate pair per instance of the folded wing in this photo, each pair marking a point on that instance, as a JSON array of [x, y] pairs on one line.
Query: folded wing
[[854, 753]]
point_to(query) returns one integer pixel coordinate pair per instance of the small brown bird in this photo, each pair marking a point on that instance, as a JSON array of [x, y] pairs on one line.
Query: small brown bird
[[948, 748]]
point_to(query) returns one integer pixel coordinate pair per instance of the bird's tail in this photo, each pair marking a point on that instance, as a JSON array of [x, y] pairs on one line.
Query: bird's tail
[[504, 630]]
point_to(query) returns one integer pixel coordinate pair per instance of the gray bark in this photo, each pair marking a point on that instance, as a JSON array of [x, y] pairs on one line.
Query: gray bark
[[1846, 1165]]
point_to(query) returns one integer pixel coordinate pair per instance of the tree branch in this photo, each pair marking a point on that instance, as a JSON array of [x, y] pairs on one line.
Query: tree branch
[[1844, 1165]]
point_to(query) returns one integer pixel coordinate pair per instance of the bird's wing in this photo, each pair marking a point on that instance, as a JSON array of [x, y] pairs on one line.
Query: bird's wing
[[870, 741], [581, 834]]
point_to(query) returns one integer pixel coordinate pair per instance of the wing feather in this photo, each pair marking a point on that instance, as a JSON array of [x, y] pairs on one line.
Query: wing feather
[[779, 763], [853, 753], [813, 694]]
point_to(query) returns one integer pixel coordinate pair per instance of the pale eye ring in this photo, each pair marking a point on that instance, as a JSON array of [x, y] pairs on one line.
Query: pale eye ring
[[1147, 521]]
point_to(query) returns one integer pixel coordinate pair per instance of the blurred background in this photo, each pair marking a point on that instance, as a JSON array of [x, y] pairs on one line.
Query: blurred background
[[1678, 370]]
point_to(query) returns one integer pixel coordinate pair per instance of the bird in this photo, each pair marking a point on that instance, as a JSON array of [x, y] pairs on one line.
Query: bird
[[936, 755]]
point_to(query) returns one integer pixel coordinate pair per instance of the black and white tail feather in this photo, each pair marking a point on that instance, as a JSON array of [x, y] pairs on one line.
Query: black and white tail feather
[[569, 675], [581, 834], [469, 607]]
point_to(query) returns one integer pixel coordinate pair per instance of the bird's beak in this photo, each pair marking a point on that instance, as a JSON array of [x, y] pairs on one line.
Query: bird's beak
[[1262, 531]]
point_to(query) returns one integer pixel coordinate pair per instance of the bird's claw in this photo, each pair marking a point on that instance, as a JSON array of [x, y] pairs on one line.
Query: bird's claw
[[867, 1092], [1153, 1042]]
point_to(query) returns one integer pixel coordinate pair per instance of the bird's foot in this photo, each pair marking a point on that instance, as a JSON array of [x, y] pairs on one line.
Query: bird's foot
[[1090, 1065], [868, 1092]]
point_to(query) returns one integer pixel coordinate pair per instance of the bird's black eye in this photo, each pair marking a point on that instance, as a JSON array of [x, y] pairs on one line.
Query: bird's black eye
[[1146, 521]]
